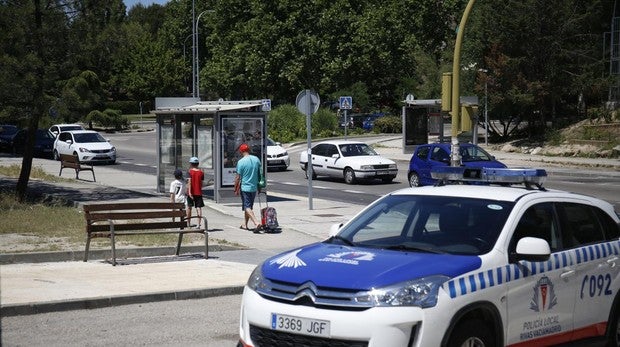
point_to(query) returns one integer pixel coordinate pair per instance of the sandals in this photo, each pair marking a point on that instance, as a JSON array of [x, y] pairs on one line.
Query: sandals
[[259, 228]]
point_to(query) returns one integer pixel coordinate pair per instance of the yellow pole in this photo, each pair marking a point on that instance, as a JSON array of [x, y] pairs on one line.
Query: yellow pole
[[456, 73], [455, 157]]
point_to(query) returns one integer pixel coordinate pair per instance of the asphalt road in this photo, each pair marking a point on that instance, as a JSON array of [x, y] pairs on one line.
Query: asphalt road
[[137, 153], [209, 322]]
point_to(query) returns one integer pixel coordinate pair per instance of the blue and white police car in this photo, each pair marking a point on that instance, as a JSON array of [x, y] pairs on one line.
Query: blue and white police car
[[449, 265]]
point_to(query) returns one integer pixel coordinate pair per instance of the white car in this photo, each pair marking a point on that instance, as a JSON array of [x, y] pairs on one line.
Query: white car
[[350, 160], [277, 157], [451, 265], [88, 145], [58, 128]]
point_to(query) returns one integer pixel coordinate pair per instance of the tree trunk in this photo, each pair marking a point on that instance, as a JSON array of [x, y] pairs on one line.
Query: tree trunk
[[37, 110]]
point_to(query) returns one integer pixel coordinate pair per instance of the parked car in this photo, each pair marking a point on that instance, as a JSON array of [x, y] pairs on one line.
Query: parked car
[[58, 128], [88, 145], [369, 122], [43, 143], [427, 157], [349, 122], [277, 157], [452, 265], [351, 160], [7, 133]]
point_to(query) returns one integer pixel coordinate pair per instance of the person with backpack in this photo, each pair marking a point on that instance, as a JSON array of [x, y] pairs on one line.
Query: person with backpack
[[246, 185]]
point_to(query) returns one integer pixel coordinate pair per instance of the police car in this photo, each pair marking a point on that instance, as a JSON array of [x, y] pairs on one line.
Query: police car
[[450, 265]]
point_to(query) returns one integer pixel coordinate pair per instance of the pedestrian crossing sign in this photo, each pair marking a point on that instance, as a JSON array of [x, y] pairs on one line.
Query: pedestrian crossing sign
[[346, 102]]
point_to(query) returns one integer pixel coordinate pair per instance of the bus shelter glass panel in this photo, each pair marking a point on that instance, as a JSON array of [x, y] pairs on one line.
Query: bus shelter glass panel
[[167, 150], [205, 143], [416, 126], [235, 131]]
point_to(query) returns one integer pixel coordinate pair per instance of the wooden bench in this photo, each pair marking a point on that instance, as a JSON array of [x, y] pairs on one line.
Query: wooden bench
[[139, 218], [73, 162]]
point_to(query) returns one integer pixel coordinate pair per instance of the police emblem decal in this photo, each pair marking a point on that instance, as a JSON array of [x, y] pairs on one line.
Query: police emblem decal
[[544, 297]]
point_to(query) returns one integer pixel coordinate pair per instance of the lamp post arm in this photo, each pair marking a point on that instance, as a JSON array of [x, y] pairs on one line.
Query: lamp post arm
[[196, 60]]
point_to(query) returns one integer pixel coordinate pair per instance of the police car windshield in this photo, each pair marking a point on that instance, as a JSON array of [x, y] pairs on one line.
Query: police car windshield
[[438, 224]]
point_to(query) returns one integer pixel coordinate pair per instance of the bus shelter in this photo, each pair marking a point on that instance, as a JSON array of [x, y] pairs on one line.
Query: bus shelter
[[212, 131]]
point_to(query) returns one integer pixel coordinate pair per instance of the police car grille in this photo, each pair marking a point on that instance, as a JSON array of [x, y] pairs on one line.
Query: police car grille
[[270, 338], [308, 294], [383, 166], [100, 150]]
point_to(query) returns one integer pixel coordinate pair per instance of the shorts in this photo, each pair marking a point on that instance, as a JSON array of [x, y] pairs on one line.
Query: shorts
[[195, 202], [247, 200]]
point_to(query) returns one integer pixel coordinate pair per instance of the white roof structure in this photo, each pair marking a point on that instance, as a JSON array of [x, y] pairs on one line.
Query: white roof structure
[[191, 105]]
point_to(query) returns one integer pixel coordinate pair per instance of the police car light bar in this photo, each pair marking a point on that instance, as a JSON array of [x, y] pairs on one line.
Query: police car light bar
[[490, 175]]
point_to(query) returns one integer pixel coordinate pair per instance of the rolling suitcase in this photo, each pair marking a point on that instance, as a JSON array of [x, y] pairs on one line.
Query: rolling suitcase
[[269, 215]]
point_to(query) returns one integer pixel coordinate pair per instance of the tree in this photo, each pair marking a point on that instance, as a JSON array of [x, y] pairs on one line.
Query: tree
[[546, 55], [31, 59], [144, 67], [80, 95]]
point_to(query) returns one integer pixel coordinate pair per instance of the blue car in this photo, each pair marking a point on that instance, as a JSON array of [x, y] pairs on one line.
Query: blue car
[[432, 155], [7, 133], [43, 143]]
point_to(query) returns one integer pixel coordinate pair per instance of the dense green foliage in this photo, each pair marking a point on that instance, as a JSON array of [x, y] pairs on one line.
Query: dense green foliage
[[62, 59]]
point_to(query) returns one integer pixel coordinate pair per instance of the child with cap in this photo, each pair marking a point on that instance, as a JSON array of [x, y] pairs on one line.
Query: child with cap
[[194, 190], [178, 191]]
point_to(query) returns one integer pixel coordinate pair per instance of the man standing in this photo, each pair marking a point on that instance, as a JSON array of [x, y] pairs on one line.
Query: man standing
[[246, 185], [194, 190]]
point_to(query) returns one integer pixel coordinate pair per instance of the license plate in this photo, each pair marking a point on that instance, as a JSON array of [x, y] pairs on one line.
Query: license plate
[[300, 325], [383, 172]]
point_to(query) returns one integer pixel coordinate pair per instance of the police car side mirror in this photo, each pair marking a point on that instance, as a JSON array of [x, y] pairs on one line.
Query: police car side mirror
[[334, 229], [531, 249]]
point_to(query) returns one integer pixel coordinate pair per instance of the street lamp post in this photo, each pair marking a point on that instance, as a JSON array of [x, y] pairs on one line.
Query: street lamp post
[[193, 48], [486, 106], [196, 77]]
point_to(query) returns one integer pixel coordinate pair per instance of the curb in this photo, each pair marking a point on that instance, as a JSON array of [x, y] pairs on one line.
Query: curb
[[102, 254], [69, 305]]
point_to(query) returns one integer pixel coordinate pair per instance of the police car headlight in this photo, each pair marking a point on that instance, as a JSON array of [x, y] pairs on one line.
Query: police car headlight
[[256, 280], [422, 293], [367, 167], [84, 150], [392, 166]]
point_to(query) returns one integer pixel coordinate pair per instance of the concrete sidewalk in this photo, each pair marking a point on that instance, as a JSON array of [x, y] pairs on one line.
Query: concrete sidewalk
[[28, 288], [32, 286]]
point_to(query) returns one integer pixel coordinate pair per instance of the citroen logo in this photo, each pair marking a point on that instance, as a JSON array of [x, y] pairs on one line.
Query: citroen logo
[[307, 289]]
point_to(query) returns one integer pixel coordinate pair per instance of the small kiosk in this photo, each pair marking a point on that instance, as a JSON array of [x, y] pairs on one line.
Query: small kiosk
[[421, 118], [417, 117], [213, 132]]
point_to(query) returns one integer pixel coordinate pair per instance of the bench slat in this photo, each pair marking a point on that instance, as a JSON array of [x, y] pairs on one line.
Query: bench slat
[[133, 206], [134, 215], [100, 234], [139, 226]]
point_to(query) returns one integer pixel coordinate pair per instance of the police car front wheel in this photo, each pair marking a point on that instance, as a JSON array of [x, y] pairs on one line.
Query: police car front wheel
[[473, 333]]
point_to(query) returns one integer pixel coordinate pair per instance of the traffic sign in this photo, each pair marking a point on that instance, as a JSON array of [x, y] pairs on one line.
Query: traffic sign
[[266, 105], [346, 102], [308, 102]]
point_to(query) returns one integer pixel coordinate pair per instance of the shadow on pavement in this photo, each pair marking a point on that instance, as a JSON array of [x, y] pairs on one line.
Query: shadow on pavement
[[67, 195]]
